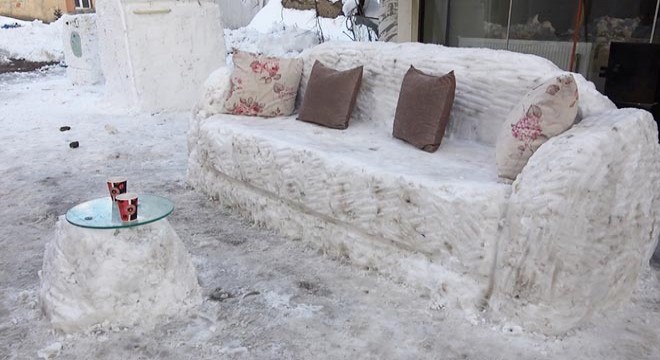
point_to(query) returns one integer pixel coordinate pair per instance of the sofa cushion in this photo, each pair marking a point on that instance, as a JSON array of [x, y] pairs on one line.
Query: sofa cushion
[[330, 96], [422, 112], [489, 83], [263, 86], [546, 111]]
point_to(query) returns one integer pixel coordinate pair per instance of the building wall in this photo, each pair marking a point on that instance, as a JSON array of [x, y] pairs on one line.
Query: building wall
[[36, 9]]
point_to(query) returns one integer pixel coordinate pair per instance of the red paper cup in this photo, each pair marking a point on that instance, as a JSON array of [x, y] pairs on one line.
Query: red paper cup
[[128, 206], [116, 186]]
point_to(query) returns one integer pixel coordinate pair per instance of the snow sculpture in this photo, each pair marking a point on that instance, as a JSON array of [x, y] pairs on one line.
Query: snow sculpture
[[442, 220], [81, 49], [115, 277], [156, 54], [582, 222]]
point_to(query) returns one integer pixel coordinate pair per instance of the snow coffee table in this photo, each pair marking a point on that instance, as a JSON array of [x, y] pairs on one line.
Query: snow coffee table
[[99, 271]]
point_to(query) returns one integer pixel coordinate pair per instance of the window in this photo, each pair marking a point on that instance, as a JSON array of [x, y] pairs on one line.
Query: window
[[574, 34], [83, 4]]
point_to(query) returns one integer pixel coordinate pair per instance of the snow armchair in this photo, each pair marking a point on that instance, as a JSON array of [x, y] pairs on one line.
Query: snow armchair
[[577, 226]]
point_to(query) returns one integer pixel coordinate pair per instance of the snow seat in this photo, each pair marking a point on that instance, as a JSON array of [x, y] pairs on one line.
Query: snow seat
[[436, 220]]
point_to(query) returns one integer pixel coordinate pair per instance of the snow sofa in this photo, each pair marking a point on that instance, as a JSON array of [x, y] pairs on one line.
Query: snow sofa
[[567, 239]]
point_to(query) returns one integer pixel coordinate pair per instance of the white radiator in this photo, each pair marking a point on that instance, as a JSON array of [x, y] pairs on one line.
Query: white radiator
[[559, 52]]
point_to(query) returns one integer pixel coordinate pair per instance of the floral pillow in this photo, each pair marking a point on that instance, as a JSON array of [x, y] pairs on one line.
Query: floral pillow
[[263, 86], [546, 111]]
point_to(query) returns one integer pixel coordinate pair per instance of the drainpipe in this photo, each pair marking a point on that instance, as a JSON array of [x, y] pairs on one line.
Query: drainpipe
[[655, 21], [508, 24]]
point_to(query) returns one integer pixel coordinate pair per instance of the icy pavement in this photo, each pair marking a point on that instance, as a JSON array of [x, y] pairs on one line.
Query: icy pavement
[[266, 297]]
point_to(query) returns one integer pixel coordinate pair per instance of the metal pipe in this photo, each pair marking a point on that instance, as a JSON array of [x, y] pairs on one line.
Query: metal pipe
[[508, 25], [655, 21]]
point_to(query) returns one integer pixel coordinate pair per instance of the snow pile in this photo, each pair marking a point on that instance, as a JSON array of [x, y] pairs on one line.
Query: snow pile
[[32, 41], [124, 277], [275, 16], [280, 41]]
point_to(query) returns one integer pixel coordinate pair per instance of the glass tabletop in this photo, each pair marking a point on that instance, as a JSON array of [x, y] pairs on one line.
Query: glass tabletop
[[103, 213]]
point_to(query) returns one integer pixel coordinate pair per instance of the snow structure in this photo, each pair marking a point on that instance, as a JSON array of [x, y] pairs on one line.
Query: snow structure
[[115, 277], [31, 41], [275, 16], [81, 49], [156, 54], [566, 240]]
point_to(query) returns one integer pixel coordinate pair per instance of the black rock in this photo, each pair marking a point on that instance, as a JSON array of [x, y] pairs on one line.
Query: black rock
[[65, 128], [74, 144]]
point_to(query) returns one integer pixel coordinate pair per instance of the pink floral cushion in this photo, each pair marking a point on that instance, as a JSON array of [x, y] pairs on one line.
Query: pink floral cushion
[[263, 86], [546, 111]]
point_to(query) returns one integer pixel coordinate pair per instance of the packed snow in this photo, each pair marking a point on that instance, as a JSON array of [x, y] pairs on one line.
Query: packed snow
[[265, 297], [115, 278], [32, 41]]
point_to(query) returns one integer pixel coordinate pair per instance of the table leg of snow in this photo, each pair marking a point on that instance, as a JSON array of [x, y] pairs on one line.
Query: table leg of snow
[[115, 277]]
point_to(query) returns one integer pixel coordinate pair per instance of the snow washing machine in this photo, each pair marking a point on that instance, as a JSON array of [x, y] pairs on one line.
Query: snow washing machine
[[81, 49], [156, 55]]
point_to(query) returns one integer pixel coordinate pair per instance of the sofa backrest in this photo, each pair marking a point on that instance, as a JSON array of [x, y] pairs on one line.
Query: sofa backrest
[[488, 82]]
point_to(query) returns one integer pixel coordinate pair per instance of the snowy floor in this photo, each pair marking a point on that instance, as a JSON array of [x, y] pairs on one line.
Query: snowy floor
[[285, 301]]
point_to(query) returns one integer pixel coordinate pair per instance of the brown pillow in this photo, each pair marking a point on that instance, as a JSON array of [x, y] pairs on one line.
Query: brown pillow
[[330, 96], [422, 112]]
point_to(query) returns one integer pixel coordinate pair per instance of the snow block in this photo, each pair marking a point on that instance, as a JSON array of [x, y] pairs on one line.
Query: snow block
[[115, 277], [441, 221], [81, 49], [156, 54]]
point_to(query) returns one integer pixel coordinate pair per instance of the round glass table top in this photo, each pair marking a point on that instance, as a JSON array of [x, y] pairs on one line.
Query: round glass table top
[[103, 213]]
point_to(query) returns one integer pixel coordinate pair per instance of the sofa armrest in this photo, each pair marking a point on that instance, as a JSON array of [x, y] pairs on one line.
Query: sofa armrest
[[214, 92], [583, 220]]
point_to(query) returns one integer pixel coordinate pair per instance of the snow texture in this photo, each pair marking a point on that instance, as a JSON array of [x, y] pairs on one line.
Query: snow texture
[[583, 219], [156, 55], [434, 220], [83, 67], [32, 41], [124, 277]]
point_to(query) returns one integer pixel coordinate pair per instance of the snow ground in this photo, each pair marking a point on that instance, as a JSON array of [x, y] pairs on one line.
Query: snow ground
[[286, 301]]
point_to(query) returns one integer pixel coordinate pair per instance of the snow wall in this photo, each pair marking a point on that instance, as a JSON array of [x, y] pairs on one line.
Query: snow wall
[[155, 55]]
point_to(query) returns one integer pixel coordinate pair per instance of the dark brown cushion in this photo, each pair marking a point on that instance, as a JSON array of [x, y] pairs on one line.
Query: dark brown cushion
[[330, 96], [422, 112]]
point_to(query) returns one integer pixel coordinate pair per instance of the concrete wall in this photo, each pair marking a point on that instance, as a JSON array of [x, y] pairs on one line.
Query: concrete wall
[[35, 9]]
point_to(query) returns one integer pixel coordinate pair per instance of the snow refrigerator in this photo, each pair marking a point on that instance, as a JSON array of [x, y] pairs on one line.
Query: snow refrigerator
[[81, 49], [155, 55]]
